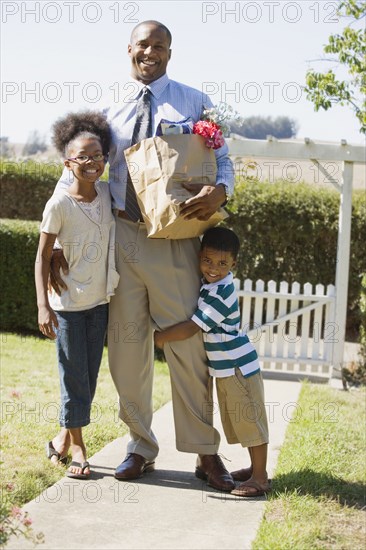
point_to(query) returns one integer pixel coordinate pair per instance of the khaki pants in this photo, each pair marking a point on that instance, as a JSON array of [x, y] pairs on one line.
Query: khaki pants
[[159, 286], [242, 409]]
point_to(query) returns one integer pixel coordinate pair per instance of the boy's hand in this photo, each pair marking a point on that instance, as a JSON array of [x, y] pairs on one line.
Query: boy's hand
[[158, 340], [47, 320]]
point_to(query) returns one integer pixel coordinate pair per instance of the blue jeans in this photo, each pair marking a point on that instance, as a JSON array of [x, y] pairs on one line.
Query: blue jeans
[[79, 343]]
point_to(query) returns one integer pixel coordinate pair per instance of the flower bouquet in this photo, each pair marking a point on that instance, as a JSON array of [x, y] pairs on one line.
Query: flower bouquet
[[213, 124]]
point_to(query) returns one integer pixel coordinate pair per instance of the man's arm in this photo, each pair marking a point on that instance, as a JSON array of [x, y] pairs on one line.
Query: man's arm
[[180, 331], [58, 262]]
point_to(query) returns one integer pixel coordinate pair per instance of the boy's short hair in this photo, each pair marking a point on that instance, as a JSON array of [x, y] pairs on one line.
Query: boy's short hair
[[221, 238]]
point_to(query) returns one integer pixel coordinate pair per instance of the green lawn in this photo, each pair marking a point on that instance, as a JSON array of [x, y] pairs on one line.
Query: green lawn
[[29, 412], [319, 484]]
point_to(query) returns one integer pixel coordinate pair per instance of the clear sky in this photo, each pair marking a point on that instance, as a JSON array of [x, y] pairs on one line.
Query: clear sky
[[66, 55]]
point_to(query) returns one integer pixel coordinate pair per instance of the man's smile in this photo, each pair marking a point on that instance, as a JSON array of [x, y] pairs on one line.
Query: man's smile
[[149, 62]]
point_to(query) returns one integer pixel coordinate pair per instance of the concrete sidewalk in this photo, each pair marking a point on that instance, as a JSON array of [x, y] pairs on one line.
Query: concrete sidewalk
[[169, 508]]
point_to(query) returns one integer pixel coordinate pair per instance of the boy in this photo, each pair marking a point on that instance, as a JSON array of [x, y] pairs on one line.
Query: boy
[[232, 359]]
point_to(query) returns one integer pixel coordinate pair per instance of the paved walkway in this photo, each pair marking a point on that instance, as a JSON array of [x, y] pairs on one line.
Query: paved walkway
[[169, 508]]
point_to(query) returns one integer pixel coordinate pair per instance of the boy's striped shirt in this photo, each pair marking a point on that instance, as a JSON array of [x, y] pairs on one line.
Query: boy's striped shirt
[[219, 318]]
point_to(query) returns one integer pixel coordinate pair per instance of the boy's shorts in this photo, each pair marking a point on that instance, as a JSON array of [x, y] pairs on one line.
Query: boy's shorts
[[242, 409]]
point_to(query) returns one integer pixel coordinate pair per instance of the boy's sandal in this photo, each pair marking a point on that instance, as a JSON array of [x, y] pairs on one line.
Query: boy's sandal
[[51, 451], [83, 467], [246, 490], [242, 475]]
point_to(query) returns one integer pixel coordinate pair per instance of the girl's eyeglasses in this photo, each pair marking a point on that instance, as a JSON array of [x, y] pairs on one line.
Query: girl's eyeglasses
[[84, 158]]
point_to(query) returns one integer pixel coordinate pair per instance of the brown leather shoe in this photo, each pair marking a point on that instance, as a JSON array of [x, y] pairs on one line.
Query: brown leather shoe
[[211, 469], [133, 467]]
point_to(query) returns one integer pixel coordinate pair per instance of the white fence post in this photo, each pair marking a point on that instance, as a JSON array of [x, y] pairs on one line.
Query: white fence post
[[305, 331], [329, 325], [293, 327], [270, 313], [245, 307], [342, 270], [281, 328]]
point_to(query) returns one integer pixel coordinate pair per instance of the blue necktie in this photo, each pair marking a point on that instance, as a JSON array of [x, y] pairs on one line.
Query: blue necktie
[[142, 130]]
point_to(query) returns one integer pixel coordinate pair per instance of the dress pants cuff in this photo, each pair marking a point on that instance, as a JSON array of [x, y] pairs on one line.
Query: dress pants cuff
[[197, 448], [146, 452]]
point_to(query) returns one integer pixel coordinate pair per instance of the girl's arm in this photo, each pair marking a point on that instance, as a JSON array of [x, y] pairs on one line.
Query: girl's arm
[[47, 319], [180, 331]]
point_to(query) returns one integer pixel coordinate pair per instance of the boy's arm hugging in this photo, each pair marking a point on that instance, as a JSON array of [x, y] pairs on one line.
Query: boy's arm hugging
[[180, 331]]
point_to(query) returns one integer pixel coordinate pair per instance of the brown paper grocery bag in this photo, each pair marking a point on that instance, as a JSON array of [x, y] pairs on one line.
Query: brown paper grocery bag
[[158, 166]]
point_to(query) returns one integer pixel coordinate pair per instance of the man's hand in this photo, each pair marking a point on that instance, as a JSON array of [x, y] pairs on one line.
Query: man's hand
[[158, 340], [58, 262], [205, 203]]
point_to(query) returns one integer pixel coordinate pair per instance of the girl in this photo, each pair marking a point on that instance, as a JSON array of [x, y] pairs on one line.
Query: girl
[[81, 219]]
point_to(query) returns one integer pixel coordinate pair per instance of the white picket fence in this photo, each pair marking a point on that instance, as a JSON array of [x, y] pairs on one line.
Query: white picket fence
[[292, 331]]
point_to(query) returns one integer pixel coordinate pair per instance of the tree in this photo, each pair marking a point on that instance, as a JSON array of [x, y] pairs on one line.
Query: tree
[[4, 147], [349, 47], [35, 143], [258, 127]]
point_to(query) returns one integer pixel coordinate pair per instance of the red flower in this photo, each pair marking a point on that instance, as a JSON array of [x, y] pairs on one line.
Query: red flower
[[211, 132]]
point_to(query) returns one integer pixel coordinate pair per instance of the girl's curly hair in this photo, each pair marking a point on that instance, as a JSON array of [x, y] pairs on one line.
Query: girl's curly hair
[[86, 123]]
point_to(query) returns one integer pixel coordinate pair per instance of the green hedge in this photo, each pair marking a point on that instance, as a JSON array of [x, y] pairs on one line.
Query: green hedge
[[363, 322], [288, 232], [25, 188], [18, 245], [355, 374]]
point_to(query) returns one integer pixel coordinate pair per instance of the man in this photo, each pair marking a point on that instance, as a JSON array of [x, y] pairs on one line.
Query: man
[[159, 279]]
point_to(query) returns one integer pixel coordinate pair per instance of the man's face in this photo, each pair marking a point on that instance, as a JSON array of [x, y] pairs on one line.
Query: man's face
[[149, 52]]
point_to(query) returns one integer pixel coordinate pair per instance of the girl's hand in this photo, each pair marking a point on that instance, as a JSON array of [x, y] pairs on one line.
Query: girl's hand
[[47, 320]]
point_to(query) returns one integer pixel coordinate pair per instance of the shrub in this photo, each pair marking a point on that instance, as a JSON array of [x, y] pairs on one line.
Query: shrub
[[18, 307], [26, 187], [356, 374], [363, 322]]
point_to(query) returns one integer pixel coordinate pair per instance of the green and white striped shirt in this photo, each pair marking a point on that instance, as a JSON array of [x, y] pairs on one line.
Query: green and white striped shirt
[[218, 316]]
